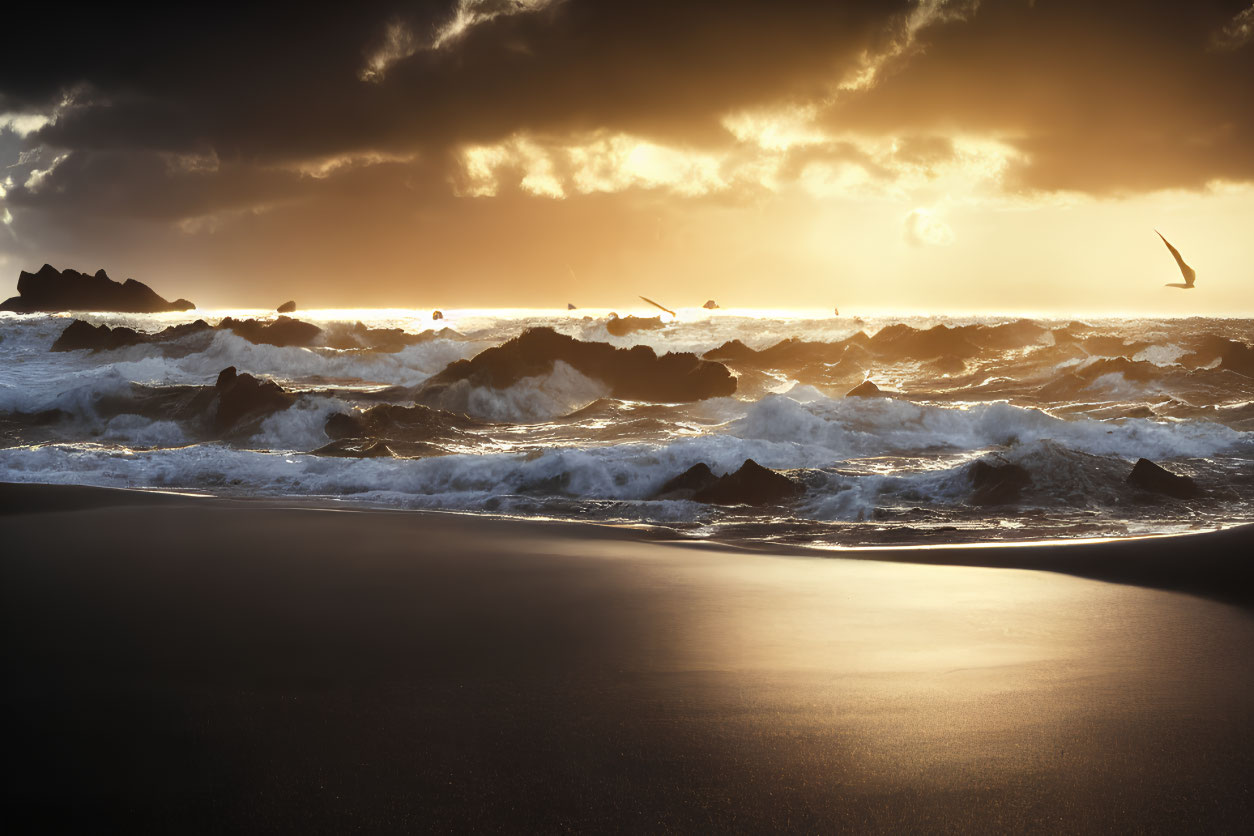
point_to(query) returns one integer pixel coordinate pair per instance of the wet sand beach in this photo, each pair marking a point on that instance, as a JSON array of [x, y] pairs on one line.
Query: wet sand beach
[[205, 665]]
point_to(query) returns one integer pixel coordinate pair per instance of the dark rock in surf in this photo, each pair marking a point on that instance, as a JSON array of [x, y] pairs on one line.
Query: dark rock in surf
[[997, 484], [865, 389], [243, 398], [624, 325], [51, 290], [752, 484], [1151, 477], [384, 340], [437, 315], [80, 335], [631, 373], [283, 331], [570, 306], [287, 307], [711, 305], [685, 485], [403, 423]]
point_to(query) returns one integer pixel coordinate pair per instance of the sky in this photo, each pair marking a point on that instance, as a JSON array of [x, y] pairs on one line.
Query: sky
[[915, 155]]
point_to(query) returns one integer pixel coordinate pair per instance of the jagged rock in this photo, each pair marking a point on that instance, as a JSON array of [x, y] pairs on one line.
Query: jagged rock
[[997, 484], [752, 484], [283, 331], [630, 373], [622, 326], [385, 340], [1151, 477], [437, 315], [83, 335], [570, 306], [52, 290], [696, 478], [242, 396], [287, 307], [394, 422], [710, 305], [865, 389]]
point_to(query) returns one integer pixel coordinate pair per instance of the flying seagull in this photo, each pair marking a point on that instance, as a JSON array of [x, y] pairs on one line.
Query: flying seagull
[[656, 305], [1190, 275]]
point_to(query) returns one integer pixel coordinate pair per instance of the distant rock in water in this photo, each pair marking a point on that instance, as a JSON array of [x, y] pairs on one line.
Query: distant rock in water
[[242, 398], [696, 478], [865, 389], [283, 331], [997, 484], [622, 326], [752, 484], [437, 315], [1151, 477], [51, 290], [83, 335], [630, 373], [287, 307], [710, 305], [570, 306]]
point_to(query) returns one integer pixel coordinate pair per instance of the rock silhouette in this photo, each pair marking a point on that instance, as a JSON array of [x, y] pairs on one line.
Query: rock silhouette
[[630, 373], [696, 478], [997, 484], [710, 305], [83, 335], [51, 290], [287, 307], [624, 325], [437, 315], [865, 389], [1151, 477], [283, 331], [242, 397], [752, 484]]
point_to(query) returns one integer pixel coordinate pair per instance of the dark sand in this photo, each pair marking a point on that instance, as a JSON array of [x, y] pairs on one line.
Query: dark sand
[[181, 664]]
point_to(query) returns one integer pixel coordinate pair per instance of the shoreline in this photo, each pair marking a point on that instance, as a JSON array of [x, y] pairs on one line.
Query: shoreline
[[1215, 565]]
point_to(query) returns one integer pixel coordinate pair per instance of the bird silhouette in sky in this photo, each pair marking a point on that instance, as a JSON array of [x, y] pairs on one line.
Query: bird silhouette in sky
[[1190, 275]]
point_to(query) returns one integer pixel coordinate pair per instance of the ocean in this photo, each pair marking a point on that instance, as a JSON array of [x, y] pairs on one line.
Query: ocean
[[1072, 404]]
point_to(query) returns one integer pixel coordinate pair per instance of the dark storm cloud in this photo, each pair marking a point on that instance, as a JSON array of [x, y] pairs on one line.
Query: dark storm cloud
[[1099, 97], [284, 84]]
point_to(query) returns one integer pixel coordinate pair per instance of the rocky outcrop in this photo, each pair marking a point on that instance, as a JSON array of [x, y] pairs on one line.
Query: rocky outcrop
[[400, 423], [1155, 479], [685, 485], [865, 389], [80, 335], [570, 306], [51, 290], [621, 326], [283, 331], [752, 484], [386, 340], [710, 305], [437, 315], [287, 307], [630, 373], [997, 484], [243, 399]]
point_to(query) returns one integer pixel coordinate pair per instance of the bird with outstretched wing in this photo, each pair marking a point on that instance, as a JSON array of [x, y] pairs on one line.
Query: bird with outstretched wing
[[1190, 275]]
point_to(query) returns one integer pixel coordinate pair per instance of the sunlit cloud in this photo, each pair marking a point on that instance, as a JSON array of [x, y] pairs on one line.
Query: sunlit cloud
[[926, 13], [36, 179], [924, 229], [323, 167], [776, 129], [1236, 33], [400, 41], [23, 124]]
